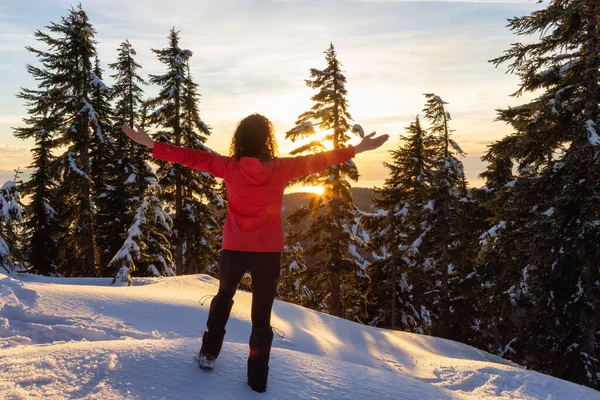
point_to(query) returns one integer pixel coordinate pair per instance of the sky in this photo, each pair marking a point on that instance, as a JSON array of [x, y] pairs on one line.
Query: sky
[[254, 56]]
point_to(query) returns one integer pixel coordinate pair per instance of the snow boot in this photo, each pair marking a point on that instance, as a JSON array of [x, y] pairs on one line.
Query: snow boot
[[211, 347], [258, 360], [206, 361]]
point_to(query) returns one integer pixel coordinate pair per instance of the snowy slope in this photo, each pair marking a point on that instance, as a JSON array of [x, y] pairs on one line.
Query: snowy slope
[[81, 338]]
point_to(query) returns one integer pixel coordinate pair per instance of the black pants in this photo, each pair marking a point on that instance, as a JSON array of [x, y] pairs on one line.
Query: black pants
[[264, 268]]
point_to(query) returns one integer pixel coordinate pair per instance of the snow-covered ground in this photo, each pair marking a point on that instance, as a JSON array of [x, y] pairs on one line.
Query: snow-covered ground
[[81, 338]]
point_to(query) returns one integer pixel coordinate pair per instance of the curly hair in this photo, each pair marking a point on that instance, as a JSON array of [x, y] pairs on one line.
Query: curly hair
[[254, 137]]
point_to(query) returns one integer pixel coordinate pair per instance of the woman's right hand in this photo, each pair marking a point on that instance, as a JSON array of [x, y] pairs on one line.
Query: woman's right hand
[[370, 143], [138, 135]]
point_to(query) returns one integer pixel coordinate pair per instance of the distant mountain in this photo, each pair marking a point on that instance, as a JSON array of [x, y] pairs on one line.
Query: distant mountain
[[363, 198]]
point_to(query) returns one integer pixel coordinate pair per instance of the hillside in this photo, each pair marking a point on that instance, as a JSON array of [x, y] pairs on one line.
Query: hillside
[[363, 199], [81, 338]]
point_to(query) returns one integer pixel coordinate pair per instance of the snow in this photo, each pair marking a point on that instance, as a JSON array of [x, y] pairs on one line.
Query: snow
[[95, 81], [75, 168], [429, 205], [404, 211], [493, 232], [549, 212], [456, 146], [203, 126], [88, 108], [82, 338], [358, 129], [592, 132], [561, 91], [536, 115], [130, 179], [305, 126], [159, 110], [319, 72]]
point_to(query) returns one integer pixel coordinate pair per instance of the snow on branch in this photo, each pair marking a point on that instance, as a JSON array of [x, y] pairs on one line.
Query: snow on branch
[[89, 109], [358, 129], [203, 126], [319, 72], [592, 132], [75, 168], [456, 146], [159, 110], [97, 82], [404, 211], [429, 206], [492, 232], [305, 128], [5, 259], [314, 145], [9, 201], [414, 247]]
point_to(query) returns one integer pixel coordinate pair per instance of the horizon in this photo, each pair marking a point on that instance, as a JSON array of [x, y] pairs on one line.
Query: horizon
[[246, 61]]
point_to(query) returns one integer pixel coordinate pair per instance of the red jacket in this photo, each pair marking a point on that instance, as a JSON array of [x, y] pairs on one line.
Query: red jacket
[[254, 190]]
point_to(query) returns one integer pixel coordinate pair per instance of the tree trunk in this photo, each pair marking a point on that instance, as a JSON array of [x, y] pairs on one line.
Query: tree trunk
[[393, 290], [335, 269], [335, 302], [87, 236], [444, 295], [179, 268], [588, 317]]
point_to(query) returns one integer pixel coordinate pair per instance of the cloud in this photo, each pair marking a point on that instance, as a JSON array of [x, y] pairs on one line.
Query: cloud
[[435, 1], [13, 157], [9, 175], [254, 56]]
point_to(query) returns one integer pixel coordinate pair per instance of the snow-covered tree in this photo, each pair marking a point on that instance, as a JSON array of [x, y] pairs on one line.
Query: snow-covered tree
[[184, 190], [290, 288], [396, 291], [132, 174], [440, 245], [146, 249], [103, 167], [11, 216], [66, 79], [200, 223], [337, 277], [546, 224], [40, 226]]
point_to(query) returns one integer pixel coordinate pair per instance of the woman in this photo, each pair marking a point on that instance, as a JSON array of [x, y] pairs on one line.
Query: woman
[[253, 234]]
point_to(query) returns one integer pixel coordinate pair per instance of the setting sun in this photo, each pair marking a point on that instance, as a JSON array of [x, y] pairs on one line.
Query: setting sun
[[312, 189]]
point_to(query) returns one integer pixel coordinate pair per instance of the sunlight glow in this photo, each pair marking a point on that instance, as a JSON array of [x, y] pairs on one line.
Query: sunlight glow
[[312, 189]]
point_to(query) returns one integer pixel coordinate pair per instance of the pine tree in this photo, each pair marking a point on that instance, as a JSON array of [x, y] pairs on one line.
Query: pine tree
[[11, 216], [200, 198], [547, 223], [396, 291], [146, 249], [66, 79], [176, 114], [131, 174], [439, 245], [103, 167], [290, 289], [336, 275], [40, 226]]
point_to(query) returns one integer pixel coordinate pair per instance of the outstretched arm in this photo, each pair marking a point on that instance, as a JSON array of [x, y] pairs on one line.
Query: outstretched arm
[[295, 167], [197, 159]]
